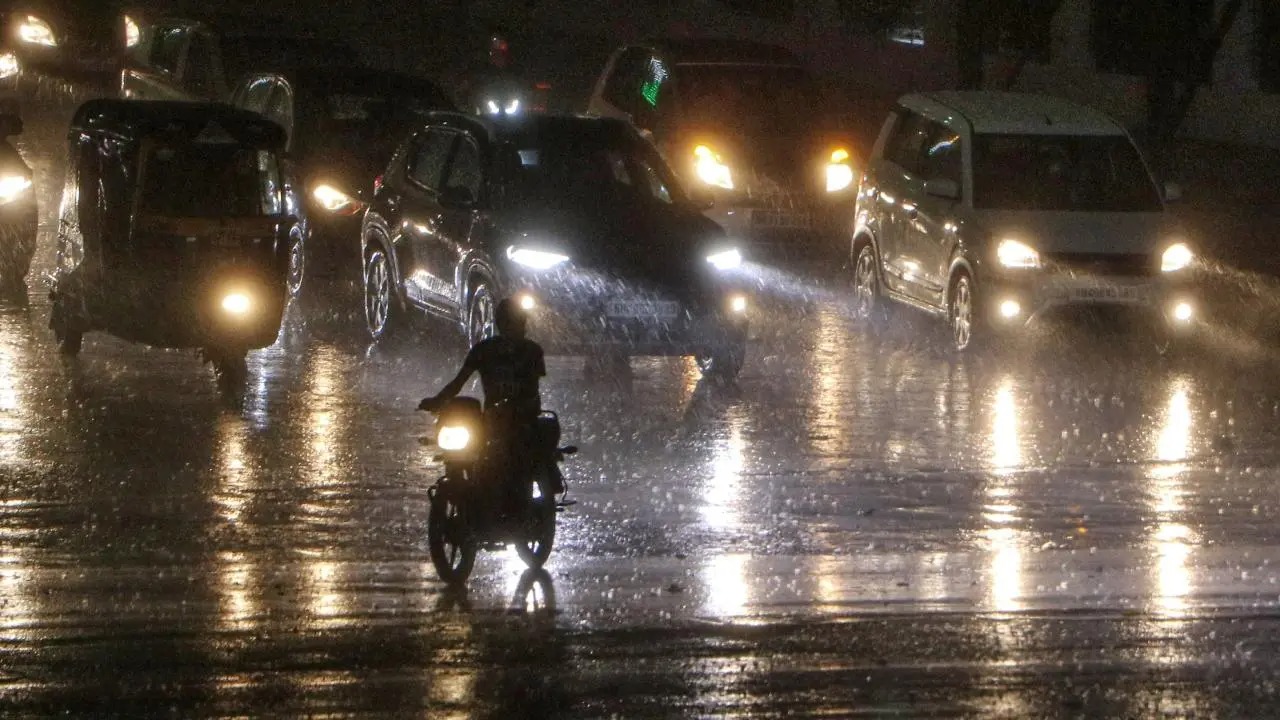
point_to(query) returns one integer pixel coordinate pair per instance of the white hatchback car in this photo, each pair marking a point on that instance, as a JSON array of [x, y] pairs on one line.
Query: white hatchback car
[[989, 209]]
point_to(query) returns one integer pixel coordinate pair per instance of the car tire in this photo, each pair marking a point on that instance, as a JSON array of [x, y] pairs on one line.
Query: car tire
[[480, 315], [297, 262], [380, 309], [868, 307], [962, 314]]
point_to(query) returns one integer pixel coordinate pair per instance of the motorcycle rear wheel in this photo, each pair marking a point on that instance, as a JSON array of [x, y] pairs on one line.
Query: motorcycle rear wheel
[[450, 541], [540, 524]]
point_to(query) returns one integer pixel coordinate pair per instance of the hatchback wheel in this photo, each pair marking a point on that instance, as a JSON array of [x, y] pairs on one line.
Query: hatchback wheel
[[960, 313], [379, 297], [866, 286]]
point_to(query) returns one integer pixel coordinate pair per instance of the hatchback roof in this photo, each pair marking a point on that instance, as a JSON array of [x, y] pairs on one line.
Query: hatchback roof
[[1016, 113]]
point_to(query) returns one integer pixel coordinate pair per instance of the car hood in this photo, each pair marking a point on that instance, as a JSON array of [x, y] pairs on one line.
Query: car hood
[[1117, 233], [798, 157], [655, 247]]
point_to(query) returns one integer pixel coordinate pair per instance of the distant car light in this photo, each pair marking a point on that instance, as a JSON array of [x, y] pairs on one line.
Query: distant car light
[[453, 438], [9, 65], [132, 33], [334, 200], [711, 169], [1017, 254], [13, 187], [839, 172], [34, 31], [492, 105], [236, 303], [513, 107], [725, 259], [536, 259], [1177, 257]]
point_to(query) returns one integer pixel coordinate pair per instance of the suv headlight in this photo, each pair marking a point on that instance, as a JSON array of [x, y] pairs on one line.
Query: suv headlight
[[1176, 257], [536, 259], [711, 168], [839, 171], [725, 259], [1017, 254], [35, 31]]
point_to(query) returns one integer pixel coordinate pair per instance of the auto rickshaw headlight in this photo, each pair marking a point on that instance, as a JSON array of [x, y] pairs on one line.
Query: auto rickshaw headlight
[[34, 31], [453, 438], [236, 303], [13, 187], [9, 65]]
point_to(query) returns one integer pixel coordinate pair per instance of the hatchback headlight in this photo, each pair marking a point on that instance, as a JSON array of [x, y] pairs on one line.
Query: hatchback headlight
[[34, 31], [711, 169], [839, 171], [453, 438], [725, 259], [536, 259], [1176, 257], [13, 187], [1017, 254]]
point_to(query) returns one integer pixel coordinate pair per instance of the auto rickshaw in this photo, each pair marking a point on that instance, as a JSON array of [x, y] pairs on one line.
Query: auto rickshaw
[[173, 230]]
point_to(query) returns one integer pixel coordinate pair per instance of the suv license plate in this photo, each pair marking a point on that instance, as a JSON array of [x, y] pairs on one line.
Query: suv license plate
[[660, 309]]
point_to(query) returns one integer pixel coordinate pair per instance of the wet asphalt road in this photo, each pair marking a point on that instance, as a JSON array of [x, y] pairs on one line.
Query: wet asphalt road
[[861, 526]]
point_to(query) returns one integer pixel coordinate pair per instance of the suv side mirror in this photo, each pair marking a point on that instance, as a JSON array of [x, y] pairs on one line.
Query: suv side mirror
[[702, 198], [1172, 192], [947, 189], [457, 196]]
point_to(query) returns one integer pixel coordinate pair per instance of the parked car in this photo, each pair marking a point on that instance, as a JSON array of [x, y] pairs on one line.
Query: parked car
[[68, 38], [745, 122], [204, 59], [991, 209], [343, 125], [579, 218]]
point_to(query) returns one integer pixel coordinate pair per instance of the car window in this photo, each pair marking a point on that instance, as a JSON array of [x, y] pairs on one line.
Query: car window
[[908, 142], [942, 155], [428, 157], [199, 76], [1061, 173], [166, 49], [464, 170]]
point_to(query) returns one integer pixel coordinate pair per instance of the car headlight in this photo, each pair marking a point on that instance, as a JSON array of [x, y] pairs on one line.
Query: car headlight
[[513, 107], [236, 303], [1176, 257], [711, 169], [34, 31], [9, 65], [334, 200], [536, 259], [132, 32], [839, 171], [1017, 254], [738, 304], [13, 187], [453, 438], [726, 259]]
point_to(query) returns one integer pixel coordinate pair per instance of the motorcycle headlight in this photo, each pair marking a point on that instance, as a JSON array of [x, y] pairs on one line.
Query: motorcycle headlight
[[536, 259], [1017, 254], [711, 169], [453, 438], [725, 259], [13, 187], [1176, 257], [34, 31], [334, 200], [839, 171], [9, 65], [132, 32]]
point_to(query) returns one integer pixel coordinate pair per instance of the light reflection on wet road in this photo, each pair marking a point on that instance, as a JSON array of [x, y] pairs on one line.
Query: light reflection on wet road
[[862, 524]]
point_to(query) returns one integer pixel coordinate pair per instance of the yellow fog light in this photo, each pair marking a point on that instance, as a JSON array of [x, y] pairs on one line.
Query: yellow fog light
[[236, 303], [1183, 312], [453, 438], [1010, 309], [738, 304]]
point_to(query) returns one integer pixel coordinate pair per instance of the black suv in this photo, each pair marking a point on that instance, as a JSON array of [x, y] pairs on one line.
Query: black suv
[[578, 218]]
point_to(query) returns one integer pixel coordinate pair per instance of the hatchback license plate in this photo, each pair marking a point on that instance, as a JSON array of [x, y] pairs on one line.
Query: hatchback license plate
[[778, 219], [1110, 293], [660, 309]]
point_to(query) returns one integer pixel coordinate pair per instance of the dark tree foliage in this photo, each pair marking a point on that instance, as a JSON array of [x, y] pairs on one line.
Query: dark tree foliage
[[1016, 30], [767, 9], [874, 17], [1267, 43]]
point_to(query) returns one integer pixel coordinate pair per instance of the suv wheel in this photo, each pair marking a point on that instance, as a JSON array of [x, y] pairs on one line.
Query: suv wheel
[[379, 296], [961, 315], [866, 286], [480, 315]]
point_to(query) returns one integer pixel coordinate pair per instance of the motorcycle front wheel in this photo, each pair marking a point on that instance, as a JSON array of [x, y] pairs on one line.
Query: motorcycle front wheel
[[534, 547], [450, 540]]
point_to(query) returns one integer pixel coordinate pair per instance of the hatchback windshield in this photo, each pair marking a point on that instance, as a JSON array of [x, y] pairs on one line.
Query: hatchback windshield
[[581, 165], [209, 180], [1061, 173], [750, 99]]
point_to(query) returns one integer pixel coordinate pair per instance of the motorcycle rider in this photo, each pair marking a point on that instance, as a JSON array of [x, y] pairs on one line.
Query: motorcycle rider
[[498, 88], [510, 367]]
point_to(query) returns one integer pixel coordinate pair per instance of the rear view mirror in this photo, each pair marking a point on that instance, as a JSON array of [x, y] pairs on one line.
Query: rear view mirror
[[1172, 192], [456, 196], [702, 198], [947, 189]]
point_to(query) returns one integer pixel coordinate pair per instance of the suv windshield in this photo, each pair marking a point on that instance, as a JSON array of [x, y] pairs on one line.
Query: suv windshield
[[1078, 173], [592, 166], [209, 180], [750, 99]]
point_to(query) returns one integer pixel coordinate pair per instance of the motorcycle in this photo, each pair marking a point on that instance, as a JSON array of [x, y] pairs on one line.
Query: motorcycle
[[474, 506]]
